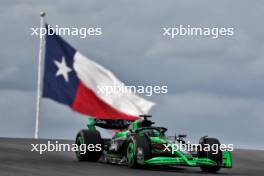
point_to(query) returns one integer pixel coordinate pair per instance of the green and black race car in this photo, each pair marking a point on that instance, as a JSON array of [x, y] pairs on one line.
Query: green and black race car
[[139, 143]]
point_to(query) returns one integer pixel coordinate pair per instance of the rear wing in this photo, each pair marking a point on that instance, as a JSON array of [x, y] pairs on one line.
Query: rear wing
[[111, 124]]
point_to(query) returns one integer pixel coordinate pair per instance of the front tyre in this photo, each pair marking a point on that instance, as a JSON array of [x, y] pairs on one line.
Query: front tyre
[[89, 144], [138, 150], [216, 156]]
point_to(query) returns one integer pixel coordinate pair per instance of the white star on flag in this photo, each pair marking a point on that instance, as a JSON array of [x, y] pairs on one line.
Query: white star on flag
[[63, 69]]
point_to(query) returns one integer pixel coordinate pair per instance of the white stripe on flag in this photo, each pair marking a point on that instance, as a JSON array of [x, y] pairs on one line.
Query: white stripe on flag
[[94, 75]]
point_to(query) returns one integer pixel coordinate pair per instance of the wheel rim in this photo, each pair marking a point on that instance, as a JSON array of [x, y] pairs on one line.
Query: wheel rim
[[79, 142], [130, 152]]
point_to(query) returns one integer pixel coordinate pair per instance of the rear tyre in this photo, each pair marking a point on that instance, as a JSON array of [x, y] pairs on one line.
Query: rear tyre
[[216, 156], [88, 139], [138, 150]]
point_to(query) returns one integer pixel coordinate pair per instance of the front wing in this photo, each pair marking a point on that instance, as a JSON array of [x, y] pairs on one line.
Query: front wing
[[190, 161]]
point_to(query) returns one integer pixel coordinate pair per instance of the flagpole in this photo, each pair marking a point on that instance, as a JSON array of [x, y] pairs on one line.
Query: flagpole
[[39, 85]]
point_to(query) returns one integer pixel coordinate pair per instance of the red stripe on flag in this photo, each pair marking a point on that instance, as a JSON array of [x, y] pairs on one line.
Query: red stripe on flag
[[86, 102]]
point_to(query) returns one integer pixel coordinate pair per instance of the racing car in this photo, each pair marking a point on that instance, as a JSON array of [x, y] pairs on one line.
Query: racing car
[[140, 143]]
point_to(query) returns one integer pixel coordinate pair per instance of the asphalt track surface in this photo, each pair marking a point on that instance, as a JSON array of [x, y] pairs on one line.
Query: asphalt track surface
[[16, 159]]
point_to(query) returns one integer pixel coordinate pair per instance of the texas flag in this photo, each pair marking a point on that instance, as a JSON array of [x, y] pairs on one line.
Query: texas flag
[[73, 79]]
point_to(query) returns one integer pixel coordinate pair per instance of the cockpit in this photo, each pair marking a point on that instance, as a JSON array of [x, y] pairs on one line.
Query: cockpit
[[152, 132]]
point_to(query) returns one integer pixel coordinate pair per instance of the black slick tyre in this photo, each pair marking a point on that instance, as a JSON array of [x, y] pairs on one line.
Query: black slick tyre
[[138, 150], [216, 156], [92, 141]]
